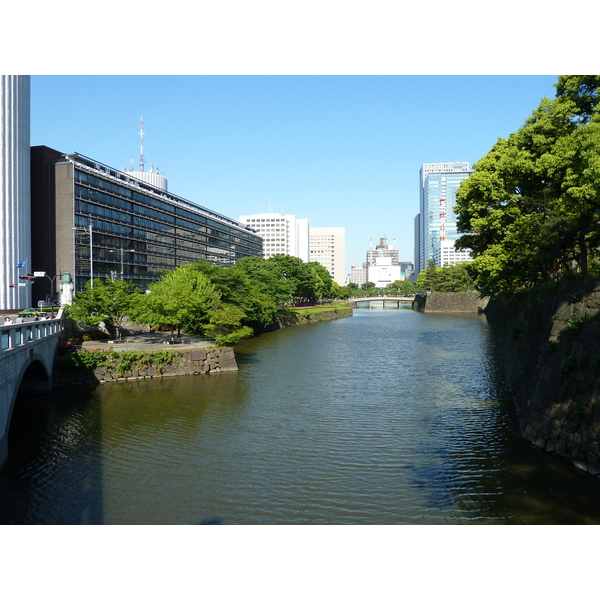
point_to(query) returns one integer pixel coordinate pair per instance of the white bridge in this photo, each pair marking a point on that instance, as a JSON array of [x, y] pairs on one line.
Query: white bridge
[[380, 301], [26, 364]]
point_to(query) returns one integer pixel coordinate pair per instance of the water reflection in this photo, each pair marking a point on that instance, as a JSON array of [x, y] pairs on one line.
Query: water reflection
[[388, 417]]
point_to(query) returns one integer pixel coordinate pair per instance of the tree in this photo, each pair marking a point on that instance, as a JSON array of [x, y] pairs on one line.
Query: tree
[[225, 325], [451, 278], [236, 287], [108, 301], [530, 212], [265, 277], [400, 287], [182, 298]]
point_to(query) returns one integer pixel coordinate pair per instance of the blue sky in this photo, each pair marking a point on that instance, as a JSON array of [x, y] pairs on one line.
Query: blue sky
[[341, 151]]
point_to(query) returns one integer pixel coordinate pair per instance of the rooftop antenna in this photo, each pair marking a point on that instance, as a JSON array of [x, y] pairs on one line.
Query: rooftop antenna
[[141, 144]]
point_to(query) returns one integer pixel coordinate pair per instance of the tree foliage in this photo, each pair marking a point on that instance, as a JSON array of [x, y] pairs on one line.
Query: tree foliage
[[181, 299], [108, 301], [452, 278], [530, 211]]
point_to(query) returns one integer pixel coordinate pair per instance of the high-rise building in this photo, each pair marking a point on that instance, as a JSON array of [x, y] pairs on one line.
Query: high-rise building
[[15, 207], [382, 264], [383, 249], [328, 247], [92, 220], [437, 221], [357, 275], [281, 234]]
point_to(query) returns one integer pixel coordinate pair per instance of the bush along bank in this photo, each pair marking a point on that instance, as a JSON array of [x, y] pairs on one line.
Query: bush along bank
[[103, 366], [549, 344]]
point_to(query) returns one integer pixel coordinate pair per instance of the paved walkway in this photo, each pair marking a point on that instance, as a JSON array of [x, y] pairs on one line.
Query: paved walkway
[[149, 341]]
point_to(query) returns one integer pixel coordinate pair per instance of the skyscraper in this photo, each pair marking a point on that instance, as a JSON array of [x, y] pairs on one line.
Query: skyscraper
[[281, 234], [15, 200], [437, 221], [328, 247]]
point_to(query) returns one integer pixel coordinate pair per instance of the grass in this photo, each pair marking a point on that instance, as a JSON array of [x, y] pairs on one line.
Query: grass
[[321, 308]]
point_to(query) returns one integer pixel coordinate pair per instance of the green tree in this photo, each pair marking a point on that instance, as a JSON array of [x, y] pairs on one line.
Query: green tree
[[108, 301], [236, 287], [182, 298], [530, 212], [265, 277], [225, 325]]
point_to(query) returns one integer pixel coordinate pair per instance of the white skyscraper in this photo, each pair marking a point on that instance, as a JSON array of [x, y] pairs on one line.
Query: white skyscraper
[[15, 194], [328, 247], [282, 234]]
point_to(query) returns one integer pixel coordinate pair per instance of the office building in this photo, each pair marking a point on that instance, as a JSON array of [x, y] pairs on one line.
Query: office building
[[437, 221], [383, 249], [92, 220], [328, 247], [446, 255], [382, 264], [15, 224], [357, 275], [281, 234]]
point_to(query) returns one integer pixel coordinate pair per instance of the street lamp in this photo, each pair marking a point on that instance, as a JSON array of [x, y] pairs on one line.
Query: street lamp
[[122, 250], [88, 230], [111, 251]]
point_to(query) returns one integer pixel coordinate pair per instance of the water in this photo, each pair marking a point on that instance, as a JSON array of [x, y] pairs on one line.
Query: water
[[387, 417]]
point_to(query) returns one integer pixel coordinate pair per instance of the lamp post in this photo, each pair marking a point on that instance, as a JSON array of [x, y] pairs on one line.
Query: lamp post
[[122, 250], [88, 230], [111, 251]]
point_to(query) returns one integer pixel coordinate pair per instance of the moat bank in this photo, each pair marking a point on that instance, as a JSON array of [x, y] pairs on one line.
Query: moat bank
[[149, 356], [549, 346]]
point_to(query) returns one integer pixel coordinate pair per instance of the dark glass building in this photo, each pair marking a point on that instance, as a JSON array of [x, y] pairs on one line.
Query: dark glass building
[[90, 219]]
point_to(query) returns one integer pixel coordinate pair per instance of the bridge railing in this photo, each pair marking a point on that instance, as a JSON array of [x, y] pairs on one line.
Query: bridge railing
[[20, 334]]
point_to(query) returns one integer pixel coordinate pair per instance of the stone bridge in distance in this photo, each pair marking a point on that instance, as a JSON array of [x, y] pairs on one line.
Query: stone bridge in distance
[[26, 364], [380, 301]]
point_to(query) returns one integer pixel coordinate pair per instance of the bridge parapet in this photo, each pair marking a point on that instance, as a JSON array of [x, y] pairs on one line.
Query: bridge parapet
[[26, 364], [397, 300], [20, 334]]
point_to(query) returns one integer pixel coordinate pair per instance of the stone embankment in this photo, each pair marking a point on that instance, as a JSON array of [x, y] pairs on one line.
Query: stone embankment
[[291, 318], [450, 303], [130, 365], [549, 345]]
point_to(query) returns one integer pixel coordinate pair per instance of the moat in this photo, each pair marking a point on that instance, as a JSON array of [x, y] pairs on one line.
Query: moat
[[387, 417]]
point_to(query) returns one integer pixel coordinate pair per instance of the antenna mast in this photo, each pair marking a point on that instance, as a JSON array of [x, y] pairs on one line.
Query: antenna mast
[[141, 144]]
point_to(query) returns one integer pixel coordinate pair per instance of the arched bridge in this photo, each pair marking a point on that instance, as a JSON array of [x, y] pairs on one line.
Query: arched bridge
[[380, 301], [26, 363]]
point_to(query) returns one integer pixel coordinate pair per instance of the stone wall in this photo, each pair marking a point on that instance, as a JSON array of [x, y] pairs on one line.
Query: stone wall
[[549, 345], [450, 303], [183, 362]]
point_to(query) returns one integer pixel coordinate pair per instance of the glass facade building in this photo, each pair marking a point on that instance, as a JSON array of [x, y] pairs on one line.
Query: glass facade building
[[439, 182], [109, 223]]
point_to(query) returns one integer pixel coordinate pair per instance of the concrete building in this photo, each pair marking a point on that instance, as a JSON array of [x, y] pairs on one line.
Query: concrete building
[[281, 234], [445, 254], [382, 272], [15, 224], [437, 221], [382, 264], [328, 247], [357, 275], [382, 249], [92, 220]]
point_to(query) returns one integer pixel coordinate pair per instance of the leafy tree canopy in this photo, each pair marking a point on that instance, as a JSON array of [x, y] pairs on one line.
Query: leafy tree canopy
[[108, 301], [530, 211], [182, 298]]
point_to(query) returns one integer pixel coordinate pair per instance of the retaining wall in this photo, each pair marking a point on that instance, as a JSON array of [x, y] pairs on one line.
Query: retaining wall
[[450, 302], [549, 345], [184, 362]]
